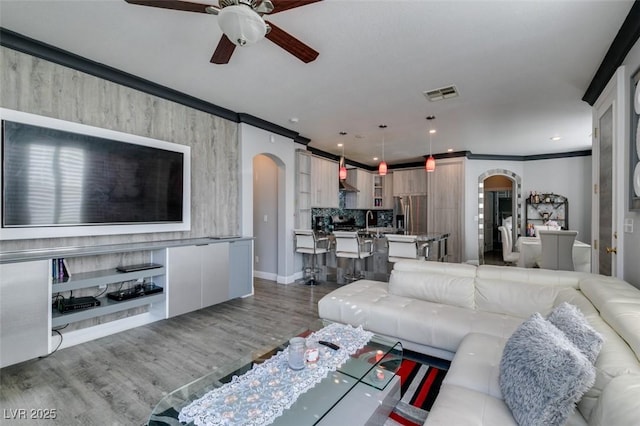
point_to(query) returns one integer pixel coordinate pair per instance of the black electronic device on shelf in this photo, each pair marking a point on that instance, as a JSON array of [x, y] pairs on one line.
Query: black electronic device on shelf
[[139, 290], [77, 304], [138, 267]]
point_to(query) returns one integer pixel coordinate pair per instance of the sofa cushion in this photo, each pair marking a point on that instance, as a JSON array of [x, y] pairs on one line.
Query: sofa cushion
[[624, 318], [616, 358], [459, 406], [426, 266], [412, 321], [619, 403], [568, 319], [514, 298], [432, 287], [476, 364], [542, 374], [531, 276], [619, 305], [349, 304], [576, 298]]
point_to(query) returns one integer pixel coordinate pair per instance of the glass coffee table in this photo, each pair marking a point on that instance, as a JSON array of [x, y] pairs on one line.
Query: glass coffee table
[[364, 389]]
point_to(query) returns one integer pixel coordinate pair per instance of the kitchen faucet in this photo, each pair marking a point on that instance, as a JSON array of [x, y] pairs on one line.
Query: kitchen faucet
[[369, 212]]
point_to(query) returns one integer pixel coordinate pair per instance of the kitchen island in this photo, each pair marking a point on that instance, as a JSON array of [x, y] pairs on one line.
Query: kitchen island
[[377, 266]]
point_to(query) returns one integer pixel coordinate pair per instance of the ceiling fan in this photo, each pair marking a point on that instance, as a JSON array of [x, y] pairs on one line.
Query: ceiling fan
[[242, 24]]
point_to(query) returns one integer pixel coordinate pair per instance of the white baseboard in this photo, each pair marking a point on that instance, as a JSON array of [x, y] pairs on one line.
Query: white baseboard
[[280, 279], [289, 279], [265, 275]]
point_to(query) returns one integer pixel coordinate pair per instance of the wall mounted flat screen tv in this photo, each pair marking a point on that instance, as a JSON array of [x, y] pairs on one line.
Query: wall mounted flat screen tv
[[67, 179]]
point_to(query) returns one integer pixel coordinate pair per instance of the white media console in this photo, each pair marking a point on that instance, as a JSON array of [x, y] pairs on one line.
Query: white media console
[[194, 274]]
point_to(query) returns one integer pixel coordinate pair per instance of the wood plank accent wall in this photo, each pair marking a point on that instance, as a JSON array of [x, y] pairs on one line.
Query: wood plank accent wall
[[40, 87], [445, 209]]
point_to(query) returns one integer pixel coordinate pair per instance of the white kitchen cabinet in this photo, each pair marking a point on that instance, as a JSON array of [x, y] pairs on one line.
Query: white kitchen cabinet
[[383, 191], [410, 182], [303, 189], [363, 180], [324, 183], [387, 202], [198, 277]]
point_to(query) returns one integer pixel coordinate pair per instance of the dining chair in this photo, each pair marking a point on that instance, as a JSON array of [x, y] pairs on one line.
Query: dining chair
[[350, 245], [508, 255], [307, 243], [557, 250]]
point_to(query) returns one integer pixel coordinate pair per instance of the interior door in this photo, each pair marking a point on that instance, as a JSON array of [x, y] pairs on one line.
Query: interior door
[[605, 242]]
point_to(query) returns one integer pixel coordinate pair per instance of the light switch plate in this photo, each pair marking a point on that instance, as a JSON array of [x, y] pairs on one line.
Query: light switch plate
[[628, 225]]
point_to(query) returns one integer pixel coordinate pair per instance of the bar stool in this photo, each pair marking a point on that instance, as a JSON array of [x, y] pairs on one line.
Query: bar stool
[[307, 243], [402, 247], [351, 246]]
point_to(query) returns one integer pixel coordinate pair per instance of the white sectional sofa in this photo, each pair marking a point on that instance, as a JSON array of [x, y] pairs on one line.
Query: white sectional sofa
[[467, 313]]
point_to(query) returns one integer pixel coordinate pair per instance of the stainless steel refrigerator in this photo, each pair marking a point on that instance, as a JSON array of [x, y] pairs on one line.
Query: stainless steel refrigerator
[[411, 214]]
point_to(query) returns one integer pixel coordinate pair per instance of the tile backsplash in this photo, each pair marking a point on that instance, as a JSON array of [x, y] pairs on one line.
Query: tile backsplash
[[382, 218]]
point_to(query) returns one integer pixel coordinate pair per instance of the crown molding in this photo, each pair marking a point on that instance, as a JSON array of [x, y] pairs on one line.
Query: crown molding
[[620, 47], [38, 49]]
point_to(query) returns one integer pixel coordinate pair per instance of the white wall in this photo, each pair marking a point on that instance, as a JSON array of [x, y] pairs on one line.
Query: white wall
[[265, 217], [570, 177], [254, 141], [567, 176], [631, 241]]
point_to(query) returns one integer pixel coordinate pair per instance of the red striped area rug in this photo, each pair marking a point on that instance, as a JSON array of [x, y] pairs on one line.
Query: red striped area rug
[[420, 383]]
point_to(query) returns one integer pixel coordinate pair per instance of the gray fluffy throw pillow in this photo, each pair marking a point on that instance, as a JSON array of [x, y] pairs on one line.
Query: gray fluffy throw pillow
[[542, 374], [568, 319]]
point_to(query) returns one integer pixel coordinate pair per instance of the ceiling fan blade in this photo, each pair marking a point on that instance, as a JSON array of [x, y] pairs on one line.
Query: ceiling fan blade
[[223, 52], [282, 5], [172, 4], [291, 44]]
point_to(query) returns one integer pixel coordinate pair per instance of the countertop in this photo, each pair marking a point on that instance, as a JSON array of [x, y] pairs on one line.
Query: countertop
[[77, 251]]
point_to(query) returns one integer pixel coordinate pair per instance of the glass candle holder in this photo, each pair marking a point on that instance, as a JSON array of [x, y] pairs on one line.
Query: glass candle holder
[[296, 353]]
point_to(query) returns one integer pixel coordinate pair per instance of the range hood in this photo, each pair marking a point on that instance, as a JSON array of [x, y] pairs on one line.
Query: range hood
[[345, 187]]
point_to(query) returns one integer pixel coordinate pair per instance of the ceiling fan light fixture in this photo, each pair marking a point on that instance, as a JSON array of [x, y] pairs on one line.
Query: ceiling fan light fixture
[[241, 24]]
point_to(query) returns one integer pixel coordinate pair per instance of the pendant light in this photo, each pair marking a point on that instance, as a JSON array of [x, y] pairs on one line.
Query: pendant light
[[430, 164], [342, 168], [382, 167]]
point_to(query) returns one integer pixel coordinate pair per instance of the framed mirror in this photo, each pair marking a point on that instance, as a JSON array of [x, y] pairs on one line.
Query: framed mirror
[[492, 208]]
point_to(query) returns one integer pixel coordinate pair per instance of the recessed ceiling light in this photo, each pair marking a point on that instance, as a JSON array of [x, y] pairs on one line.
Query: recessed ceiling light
[[339, 145], [450, 150], [432, 131], [555, 138], [294, 119], [375, 158]]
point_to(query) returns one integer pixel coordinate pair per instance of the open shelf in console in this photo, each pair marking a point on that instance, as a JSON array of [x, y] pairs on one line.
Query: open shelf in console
[[107, 306], [103, 277]]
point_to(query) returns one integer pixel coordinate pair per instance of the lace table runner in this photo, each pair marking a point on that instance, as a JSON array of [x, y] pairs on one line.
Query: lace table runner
[[259, 396]]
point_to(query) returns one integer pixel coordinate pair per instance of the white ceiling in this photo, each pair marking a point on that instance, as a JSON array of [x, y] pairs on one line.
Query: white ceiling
[[521, 67]]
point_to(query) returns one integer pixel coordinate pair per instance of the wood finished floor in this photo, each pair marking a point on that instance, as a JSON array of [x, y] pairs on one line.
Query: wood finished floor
[[117, 380]]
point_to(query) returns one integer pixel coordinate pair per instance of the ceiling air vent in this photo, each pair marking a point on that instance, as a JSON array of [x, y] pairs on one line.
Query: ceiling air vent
[[441, 93]]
